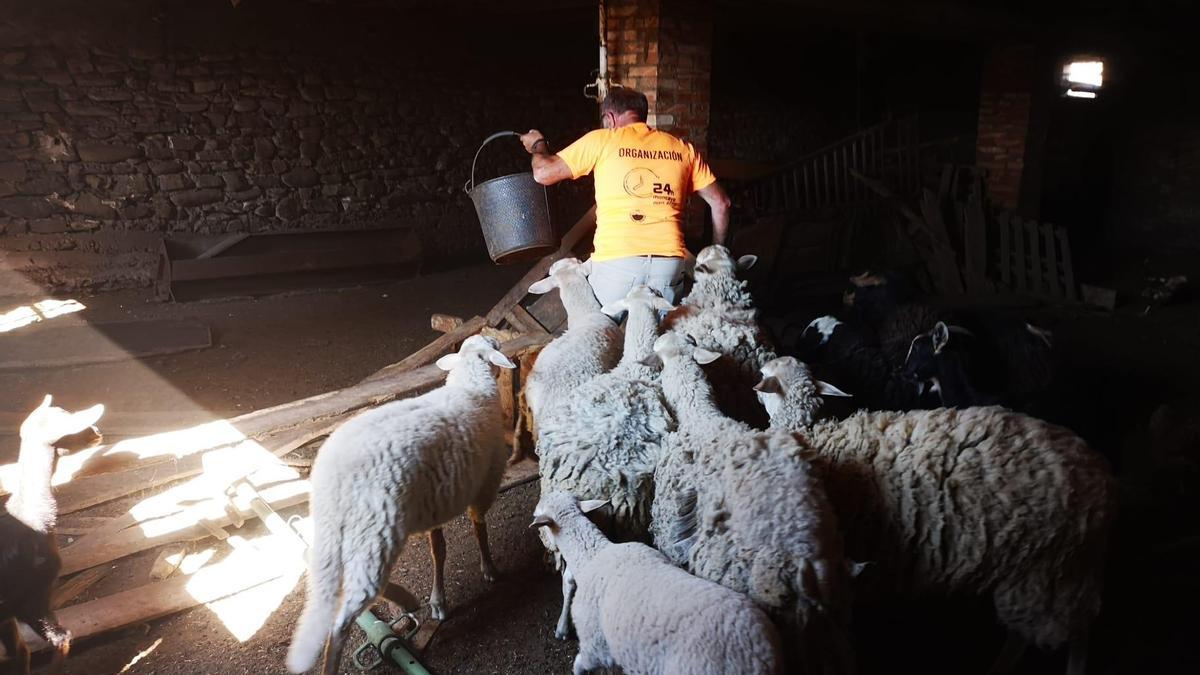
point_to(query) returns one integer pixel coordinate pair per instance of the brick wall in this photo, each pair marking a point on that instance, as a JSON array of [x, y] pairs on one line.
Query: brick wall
[[1005, 103], [664, 49], [119, 126]]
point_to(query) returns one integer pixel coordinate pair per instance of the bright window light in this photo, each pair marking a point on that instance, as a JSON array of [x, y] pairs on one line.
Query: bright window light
[[38, 311], [1090, 73], [1075, 93]]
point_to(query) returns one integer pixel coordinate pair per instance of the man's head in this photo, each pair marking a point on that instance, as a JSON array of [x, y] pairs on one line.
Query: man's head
[[623, 106]]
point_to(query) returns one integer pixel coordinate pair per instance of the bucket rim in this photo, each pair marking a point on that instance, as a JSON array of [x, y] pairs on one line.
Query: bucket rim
[[506, 176]]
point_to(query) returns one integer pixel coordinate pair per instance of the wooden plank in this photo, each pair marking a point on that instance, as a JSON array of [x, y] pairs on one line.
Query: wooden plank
[[95, 550], [76, 525], [1005, 249], [580, 231], [1064, 250], [444, 323], [76, 586], [975, 241], [1035, 257], [521, 319], [808, 192], [443, 344], [1051, 256], [1017, 228], [549, 311], [159, 599], [516, 475]]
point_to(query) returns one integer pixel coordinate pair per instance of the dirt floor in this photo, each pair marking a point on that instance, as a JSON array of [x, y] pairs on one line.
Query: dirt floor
[[277, 349]]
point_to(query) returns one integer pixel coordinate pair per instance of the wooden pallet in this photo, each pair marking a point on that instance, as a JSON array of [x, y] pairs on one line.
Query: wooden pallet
[[1034, 258]]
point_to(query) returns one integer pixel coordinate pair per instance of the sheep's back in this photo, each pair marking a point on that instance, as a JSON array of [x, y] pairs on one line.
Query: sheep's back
[[603, 442], [962, 499]]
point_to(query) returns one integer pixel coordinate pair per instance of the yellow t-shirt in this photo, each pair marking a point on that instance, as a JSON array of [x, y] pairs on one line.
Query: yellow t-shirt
[[643, 179]]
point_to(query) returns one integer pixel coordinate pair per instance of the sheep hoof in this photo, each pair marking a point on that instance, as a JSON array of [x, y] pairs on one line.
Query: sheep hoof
[[490, 575], [561, 634], [436, 611]]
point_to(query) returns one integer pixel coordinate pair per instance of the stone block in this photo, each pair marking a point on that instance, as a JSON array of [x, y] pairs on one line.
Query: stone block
[[263, 148], [206, 86], [189, 198], [42, 101], [110, 94], [55, 225], [234, 180], [44, 185], [172, 182], [94, 151], [161, 167], [289, 208], [26, 207], [12, 171], [207, 181], [89, 205], [130, 185], [184, 143], [301, 177]]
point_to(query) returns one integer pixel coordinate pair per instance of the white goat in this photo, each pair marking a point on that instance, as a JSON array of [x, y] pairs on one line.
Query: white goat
[[635, 610], [402, 468]]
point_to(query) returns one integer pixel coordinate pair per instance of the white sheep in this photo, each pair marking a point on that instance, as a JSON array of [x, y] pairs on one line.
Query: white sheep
[[981, 501], [603, 439], [399, 469], [591, 344], [635, 610], [742, 508], [719, 315]]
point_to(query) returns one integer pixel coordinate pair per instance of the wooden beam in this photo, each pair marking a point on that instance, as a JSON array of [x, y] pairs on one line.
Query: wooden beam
[[442, 345], [94, 549], [521, 319], [77, 585], [566, 248], [444, 323]]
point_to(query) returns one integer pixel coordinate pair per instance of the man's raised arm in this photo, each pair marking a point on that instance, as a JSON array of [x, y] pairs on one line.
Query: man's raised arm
[[718, 201], [548, 168]]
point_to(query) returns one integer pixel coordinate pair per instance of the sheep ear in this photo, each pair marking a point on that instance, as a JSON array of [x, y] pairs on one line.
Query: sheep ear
[[705, 357], [46, 402], [449, 361], [589, 505], [615, 307], [586, 267], [826, 389], [746, 262], [499, 359], [541, 520], [84, 419], [662, 304], [702, 268], [941, 336], [960, 330], [544, 286], [770, 385], [857, 568]]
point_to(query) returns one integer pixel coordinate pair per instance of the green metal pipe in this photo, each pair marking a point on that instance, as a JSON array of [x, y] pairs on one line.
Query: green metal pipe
[[390, 645]]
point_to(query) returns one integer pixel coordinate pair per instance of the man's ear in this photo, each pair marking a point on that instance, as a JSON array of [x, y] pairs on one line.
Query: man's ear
[[770, 385], [544, 286]]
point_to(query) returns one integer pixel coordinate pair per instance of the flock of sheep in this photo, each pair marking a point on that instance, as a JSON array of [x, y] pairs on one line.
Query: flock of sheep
[[704, 513]]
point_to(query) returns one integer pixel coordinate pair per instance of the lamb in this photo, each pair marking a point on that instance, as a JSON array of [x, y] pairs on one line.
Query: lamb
[[404, 467], [29, 560], [604, 439], [637, 611], [742, 508], [981, 501], [719, 315], [591, 344]]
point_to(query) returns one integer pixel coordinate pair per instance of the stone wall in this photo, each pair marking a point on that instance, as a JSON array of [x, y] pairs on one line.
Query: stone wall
[[124, 123]]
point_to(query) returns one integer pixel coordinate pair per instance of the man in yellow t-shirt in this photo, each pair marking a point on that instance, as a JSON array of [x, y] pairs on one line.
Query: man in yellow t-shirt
[[643, 180]]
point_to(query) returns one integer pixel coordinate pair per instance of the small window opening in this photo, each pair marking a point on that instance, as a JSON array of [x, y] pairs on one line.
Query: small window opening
[[1082, 77]]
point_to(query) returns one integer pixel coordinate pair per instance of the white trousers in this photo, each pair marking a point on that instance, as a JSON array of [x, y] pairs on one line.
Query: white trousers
[[612, 279]]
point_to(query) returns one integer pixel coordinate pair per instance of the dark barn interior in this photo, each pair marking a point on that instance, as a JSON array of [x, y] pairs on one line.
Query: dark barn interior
[[239, 223]]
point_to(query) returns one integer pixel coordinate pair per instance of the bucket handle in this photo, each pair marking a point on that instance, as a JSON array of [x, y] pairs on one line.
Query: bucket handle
[[470, 185]]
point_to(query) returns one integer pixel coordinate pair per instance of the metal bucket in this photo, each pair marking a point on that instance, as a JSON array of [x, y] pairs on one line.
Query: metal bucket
[[514, 213]]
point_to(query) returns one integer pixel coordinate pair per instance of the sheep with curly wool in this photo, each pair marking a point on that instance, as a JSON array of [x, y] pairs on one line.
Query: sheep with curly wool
[[743, 508], [719, 315], [405, 467], [635, 610], [591, 344], [981, 501], [604, 439]]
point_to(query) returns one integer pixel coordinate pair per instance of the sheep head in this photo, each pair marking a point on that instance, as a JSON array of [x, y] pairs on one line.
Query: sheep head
[[640, 294], [717, 259], [558, 271], [54, 427], [786, 377], [478, 347], [672, 345]]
